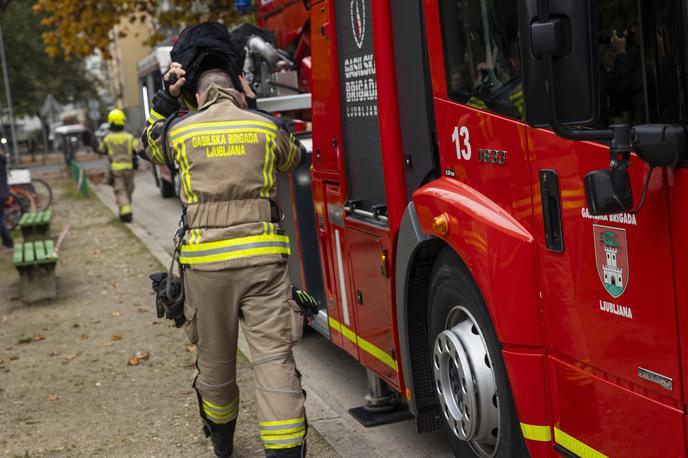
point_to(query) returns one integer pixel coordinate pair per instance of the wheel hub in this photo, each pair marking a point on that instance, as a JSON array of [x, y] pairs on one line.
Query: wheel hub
[[465, 383]]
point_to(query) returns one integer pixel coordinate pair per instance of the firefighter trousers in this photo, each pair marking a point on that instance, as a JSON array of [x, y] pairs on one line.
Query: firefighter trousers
[[260, 298], [123, 184]]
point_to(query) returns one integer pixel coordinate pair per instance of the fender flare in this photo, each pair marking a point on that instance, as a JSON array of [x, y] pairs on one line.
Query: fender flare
[[497, 250]]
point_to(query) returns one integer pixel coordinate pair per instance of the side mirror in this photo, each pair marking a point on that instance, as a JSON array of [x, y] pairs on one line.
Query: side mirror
[[567, 31]]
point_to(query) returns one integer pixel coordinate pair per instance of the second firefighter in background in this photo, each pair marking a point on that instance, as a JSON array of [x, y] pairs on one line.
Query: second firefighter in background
[[119, 145]]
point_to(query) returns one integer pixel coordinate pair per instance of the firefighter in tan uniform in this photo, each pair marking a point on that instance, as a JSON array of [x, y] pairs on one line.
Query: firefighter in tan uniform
[[120, 145], [234, 255]]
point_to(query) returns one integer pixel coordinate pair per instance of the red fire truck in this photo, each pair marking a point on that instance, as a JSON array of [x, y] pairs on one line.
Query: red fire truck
[[491, 215]]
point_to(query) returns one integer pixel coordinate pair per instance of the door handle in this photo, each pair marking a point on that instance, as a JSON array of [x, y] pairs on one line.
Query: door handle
[[551, 210]]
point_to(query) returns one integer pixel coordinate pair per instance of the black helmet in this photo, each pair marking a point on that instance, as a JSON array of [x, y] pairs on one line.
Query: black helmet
[[207, 46]]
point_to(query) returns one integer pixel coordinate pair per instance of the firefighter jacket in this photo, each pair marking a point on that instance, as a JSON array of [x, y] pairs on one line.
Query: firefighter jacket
[[120, 146], [227, 159]]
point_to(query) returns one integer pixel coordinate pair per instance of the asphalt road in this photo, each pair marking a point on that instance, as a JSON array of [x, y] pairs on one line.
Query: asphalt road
[[335, 382]]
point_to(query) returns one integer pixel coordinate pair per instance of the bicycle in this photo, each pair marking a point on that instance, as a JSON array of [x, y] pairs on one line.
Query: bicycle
[[34, 192], [14, 209], [37, 195]]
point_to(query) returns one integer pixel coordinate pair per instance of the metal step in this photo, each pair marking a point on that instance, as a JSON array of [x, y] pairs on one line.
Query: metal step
[[285, 103]]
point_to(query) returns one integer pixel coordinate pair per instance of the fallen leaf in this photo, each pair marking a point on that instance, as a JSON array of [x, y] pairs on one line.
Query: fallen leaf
[[116, 314], [133, 361], [107, 344], [141, 310], [191, 348], [143, 355], [24, 340], [68, 358], [53, 397], [116, 337], [52, 353], [14, 358], [38, 337], [83, 336], [154, 322]]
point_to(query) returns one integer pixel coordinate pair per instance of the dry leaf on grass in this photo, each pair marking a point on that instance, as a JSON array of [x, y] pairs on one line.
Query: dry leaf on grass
[[143, 355], [191, 348], [133, 361], [116, 314], [38, 337], [14, 358], [107, 344], [116, 337], [141, 310], [53, 397], [83, 336], [68, 358]]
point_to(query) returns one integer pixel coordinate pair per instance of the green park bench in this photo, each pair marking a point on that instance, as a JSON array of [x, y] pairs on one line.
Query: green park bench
[[36, 226], [36, 262]]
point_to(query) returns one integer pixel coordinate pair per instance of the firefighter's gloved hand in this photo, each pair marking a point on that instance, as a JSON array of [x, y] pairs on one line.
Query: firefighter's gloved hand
[[308, 304], [169, 304]]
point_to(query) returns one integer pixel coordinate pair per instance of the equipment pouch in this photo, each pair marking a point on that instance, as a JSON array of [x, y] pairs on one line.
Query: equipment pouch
[[296, 321]]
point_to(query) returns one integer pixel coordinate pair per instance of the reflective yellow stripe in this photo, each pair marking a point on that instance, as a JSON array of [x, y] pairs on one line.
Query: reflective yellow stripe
[[234, 242], [574, 445], [280, 446], [536, 432], [267, 436], [267, 125], [125, 209], [363, 344], [264, 191], [280, 432], [224, 250], [154, 116], [292, 421], [476, 103], [290, 155], [184, 172], [121, 166], [157, 154]]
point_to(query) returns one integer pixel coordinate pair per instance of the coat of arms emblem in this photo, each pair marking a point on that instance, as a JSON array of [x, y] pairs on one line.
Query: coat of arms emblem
[[358, 21], [611, 256]]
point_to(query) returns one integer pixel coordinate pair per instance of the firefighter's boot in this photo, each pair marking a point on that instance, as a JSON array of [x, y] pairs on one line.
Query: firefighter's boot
[[292, 452], [222, 437], [126, 218]]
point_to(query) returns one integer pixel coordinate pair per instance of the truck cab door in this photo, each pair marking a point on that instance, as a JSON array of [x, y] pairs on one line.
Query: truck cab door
[[607, 282]]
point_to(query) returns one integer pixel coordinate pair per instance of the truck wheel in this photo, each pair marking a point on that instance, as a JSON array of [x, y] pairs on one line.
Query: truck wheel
[[471, 384]]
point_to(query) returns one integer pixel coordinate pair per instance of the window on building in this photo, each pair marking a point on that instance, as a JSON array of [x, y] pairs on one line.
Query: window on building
[[482, 55]]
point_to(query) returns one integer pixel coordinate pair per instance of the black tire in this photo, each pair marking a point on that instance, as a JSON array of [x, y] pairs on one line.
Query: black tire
[[166, 188], [43, 194], [14, 209], [452, 285]]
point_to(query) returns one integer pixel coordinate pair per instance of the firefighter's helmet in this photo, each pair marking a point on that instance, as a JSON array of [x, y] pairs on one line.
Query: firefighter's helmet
[[117, 117]]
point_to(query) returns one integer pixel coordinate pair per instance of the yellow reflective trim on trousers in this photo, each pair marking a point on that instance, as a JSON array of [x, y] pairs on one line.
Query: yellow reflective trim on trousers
[[281, 432], [267, 125], [572, 444], [291, 421], [280, 446], [116, 166], [536, 432], [363, 344], [265, 436], [125, 209]]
